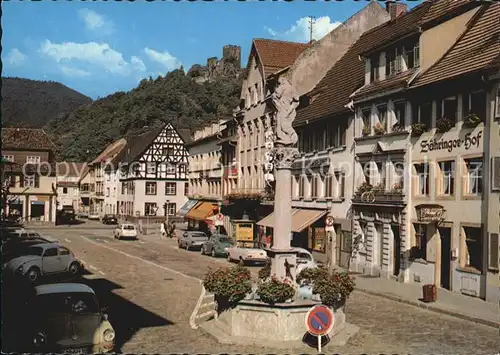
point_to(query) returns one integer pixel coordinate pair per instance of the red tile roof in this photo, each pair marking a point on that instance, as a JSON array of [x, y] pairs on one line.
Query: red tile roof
[[441, 9], [477, 49], [71, 169], [26, 139], [277, 55]]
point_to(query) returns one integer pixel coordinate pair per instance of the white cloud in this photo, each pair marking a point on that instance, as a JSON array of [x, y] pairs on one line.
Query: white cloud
[[166, 59], [15, 57], [96, 23], [74, 72], [300, 30], [99, 55]]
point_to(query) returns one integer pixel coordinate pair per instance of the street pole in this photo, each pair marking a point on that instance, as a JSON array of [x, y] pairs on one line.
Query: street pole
[[167, 214]]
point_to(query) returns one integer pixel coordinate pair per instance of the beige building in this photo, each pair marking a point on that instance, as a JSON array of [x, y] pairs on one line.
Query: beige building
[[68, 184], [424, 204], [323, 76], [86, 187], [266, 58], [30, 174]]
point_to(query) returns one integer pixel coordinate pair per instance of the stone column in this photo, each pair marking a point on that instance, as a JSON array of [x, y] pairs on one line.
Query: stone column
[[283, 258]]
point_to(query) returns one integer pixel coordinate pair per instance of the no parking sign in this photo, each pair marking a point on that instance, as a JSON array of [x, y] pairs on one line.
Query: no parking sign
[[319, 322]]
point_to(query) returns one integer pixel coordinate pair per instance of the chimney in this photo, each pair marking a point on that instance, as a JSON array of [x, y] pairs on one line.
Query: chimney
[[395, 8]]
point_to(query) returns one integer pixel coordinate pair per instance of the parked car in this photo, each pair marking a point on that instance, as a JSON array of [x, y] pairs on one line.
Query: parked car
[[94, 217], [217, 245], [126, 230], [43, 259], [65, 318], [82, 215], [17, 247], [109, 219], [192, 240], [304, 260], [247, 255]]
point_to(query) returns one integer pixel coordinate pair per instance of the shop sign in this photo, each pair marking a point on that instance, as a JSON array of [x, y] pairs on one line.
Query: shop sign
[[469, 141], [430, 213]]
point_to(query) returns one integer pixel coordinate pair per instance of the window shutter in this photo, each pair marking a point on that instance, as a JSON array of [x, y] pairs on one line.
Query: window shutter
[[493, 252]]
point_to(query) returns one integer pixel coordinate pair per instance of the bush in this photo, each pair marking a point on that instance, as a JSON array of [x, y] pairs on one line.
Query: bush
[[231, 283], [333, 289], [275, 291], [308, 275]]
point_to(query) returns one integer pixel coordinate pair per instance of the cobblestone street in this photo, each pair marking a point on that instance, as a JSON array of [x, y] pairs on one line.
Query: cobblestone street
[[150, 288]]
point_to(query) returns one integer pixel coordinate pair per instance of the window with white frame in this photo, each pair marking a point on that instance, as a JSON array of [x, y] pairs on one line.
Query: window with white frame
[[374, 61], [170, 169], [170, 188], [171, 209], [150, 188], [151, 168], [107, 191], [302, 182], [150, 209], [382, 115], [328, 186], [447, 109], [315, 186], [474, 249], [30, 181], [400, 115], [422, 183], [33, 160], [474, 178], [422, 113], [447, 171], [8, 158], [474, 103], [366, 120]]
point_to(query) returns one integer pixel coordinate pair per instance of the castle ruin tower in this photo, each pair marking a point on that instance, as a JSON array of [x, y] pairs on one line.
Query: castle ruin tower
[[232, 54]]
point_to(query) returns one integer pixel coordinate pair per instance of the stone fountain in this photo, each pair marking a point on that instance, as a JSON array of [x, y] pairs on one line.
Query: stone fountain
[[280, 325]]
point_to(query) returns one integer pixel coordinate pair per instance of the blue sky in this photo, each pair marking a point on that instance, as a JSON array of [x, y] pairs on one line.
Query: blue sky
[[98, 48]]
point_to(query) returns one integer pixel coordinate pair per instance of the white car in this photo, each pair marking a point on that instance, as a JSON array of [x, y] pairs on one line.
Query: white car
[[305, 260], [126, 230], [94, 217], [43, 259], [246, 255]]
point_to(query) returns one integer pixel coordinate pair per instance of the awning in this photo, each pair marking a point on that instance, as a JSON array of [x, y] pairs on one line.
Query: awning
[[186, 207], [301, 219], [201, 211]]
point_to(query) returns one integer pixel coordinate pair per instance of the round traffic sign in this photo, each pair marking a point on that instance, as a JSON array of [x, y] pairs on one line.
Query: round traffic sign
[[319, 320], [329, 221]]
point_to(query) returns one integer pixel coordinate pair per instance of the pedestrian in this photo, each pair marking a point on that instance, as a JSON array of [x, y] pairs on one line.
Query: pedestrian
[[162, 229]]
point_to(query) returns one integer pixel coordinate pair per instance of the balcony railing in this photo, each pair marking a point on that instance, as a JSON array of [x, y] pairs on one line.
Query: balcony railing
[[379, 198]]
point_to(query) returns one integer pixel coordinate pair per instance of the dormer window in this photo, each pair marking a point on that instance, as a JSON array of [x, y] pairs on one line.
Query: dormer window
[[374, 75], [412, 55]]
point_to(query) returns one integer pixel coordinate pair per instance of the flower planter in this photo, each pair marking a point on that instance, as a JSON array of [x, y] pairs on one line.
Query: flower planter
[[306, 292], [444, 125], [471, 121], [417, 129]]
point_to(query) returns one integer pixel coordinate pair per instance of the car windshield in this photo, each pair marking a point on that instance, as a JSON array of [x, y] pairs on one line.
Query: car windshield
[[37, 251], [198, 236], [226, 240], [67, 303], [303, 256], [129, 227]]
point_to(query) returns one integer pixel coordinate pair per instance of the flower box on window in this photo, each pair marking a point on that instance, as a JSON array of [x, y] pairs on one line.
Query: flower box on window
[[379, 129], [417, 129], [472, 120], [444, 124]]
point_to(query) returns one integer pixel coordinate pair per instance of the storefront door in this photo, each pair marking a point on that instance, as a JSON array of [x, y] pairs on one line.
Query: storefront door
[[396, 250], [445, 257]]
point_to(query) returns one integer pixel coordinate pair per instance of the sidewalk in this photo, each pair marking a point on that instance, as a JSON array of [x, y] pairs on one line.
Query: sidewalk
[[452, 304]]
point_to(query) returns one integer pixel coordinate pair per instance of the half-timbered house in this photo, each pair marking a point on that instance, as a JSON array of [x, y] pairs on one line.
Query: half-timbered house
[[153, 173]]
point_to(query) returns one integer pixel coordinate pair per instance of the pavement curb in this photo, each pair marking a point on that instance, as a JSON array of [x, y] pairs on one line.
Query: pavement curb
[[430, 307]]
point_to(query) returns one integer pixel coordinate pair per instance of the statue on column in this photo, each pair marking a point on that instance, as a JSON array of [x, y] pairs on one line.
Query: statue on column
[[285, 101]]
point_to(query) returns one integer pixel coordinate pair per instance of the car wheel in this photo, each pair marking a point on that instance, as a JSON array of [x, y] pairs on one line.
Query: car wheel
[[213, 253], [74, 269], [242, 262], [179, 245], [202, 251], [33, 274], [187, 247], [229, 258]]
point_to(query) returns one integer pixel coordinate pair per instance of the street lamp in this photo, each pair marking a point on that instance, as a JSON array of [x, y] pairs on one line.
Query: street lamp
[[167, 203]]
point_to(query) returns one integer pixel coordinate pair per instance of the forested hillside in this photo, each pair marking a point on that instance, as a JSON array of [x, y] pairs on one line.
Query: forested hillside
[[33, 103], [175, 98]]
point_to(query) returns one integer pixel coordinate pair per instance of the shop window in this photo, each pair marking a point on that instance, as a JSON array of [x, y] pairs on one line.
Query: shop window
[[150, 188], [474, 176], [473, 255], [422, 179], [419, 250], [319, 239], [447, 170]]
